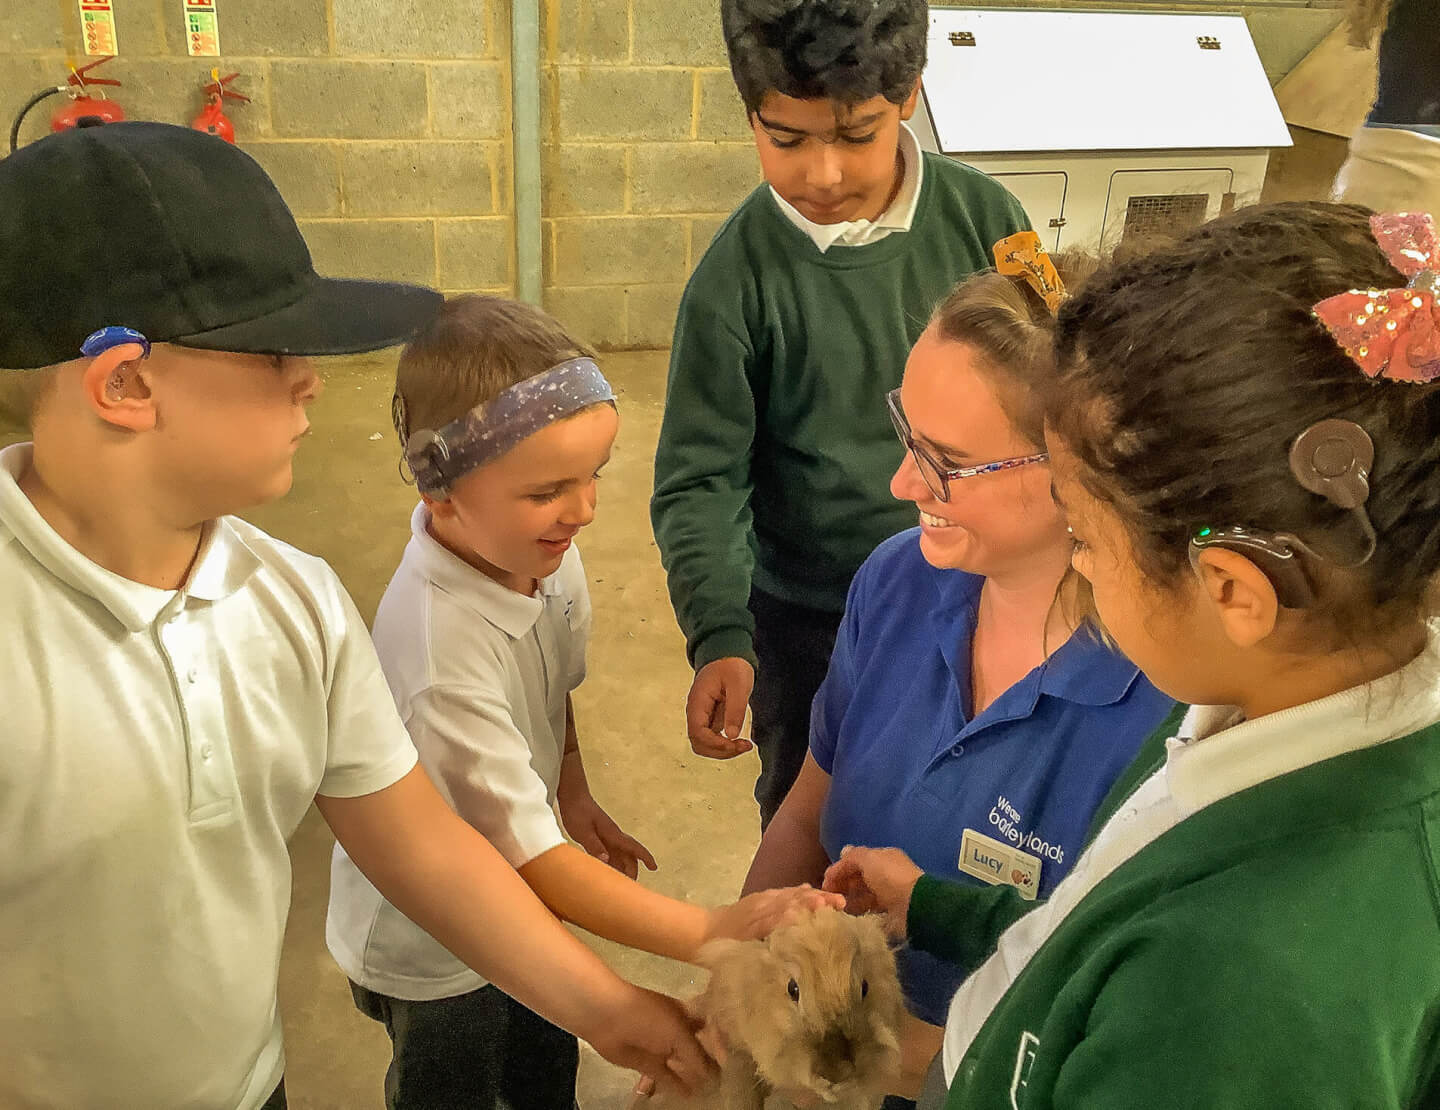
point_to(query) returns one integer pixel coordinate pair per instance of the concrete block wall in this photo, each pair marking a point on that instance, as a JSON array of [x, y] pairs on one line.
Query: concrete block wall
[[386, 126]]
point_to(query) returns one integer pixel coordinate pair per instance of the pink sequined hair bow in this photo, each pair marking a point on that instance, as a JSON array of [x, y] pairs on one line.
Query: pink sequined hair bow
[[1394, 333]]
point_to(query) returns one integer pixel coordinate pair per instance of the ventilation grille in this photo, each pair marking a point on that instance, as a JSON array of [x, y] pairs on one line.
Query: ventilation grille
[[1164, 215]]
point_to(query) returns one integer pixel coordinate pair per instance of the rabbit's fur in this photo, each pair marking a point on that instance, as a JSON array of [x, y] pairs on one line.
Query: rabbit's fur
[[835, 1033]]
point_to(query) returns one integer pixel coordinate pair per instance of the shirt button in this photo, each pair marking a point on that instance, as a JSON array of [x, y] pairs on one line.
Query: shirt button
[[192, 675], [206, 753], [958, 749]]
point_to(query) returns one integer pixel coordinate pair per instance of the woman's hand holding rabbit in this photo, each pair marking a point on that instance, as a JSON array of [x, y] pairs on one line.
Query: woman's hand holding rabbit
[[756, 915], [875, 880]]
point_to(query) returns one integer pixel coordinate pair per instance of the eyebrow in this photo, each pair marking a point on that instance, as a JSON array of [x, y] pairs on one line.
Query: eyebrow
[[850, 125], [943, 448]]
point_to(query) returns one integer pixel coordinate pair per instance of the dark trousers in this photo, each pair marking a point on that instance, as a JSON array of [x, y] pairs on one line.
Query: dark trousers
[[477, 1051], [793, 646], [276, 1101]]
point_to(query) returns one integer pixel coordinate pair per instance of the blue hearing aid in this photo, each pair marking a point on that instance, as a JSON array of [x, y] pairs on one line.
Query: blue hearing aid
[[113, 336]]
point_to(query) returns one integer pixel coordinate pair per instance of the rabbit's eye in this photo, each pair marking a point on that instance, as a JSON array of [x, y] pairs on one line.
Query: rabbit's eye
[[864, 987], [794, 989]]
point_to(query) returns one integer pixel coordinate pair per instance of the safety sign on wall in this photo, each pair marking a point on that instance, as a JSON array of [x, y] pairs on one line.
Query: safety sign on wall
[[97, 25], [202, 28]]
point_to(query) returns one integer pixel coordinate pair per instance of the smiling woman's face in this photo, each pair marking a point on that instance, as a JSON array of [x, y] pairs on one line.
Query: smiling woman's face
[[993, 523]]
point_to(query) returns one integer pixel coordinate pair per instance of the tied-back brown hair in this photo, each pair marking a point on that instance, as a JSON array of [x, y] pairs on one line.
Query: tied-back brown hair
[[476, 348], [1184, 376], [1007, 323]]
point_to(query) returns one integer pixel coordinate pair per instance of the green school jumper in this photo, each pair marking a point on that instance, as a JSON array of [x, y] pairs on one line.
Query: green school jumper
[[776, 450], [1279, 948]]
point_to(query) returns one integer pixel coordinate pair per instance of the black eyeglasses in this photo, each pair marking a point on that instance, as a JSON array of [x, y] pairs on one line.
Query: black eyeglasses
[[938, 477]]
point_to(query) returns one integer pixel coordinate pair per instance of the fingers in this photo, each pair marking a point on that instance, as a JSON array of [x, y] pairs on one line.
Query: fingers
[[843, 873], [715, 709], [637, 851], [689, 1065], [589, 839]]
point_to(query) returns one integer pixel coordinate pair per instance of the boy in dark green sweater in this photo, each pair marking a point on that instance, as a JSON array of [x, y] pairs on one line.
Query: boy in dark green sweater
[[772, 472]]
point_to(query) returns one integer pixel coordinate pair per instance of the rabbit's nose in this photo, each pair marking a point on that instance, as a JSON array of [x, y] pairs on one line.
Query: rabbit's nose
[[836, 1058]]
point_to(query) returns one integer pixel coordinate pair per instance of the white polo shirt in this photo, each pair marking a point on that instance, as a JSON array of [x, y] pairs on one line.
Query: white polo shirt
[[480, 674], [157, 751]]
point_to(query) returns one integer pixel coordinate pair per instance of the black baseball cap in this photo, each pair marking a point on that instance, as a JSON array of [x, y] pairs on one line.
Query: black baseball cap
[[181, 236]]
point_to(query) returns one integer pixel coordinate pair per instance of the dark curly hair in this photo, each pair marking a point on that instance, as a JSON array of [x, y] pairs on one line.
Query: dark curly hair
[[842, 50], [1185, 375]]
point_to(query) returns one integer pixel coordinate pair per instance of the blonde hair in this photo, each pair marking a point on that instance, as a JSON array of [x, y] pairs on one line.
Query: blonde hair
[[1012, 329], [474, 350], [1365, 19]]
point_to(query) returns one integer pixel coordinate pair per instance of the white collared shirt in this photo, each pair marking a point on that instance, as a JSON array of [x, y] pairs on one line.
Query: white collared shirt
[[1216, 755], [858, 233], [159, 749], [480, 674]]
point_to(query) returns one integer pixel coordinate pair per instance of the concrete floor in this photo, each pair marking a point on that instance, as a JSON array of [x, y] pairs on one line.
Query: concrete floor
[[349, 506]]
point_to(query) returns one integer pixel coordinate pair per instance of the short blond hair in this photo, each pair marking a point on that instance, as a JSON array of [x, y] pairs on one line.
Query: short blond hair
[[474, 350]]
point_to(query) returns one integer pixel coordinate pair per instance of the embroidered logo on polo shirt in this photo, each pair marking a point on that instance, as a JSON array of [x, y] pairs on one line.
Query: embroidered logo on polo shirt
[[997, 863]]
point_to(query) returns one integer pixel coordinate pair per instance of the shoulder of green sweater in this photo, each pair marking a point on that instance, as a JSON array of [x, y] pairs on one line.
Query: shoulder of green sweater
[[974, 189], [751, 218]]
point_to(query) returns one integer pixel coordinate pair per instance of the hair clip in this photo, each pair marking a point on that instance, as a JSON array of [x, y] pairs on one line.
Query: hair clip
[[1022, 255], [113, 336], [1394, 333]]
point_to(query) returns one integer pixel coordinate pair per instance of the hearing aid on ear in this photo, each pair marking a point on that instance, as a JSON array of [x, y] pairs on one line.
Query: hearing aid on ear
[[1275, 555], [1332, 458], [113, 336]]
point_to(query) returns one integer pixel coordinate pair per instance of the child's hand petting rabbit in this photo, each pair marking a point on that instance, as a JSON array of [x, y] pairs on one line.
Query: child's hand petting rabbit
[[875, 880], [758, 915], [811, 1013]]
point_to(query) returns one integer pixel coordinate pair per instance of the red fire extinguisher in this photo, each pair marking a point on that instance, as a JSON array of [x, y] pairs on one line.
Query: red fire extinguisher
[[212, 118], [83, 106]]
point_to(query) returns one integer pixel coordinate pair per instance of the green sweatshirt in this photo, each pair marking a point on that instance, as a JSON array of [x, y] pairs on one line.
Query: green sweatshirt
[[776, 450], [1280, 948]]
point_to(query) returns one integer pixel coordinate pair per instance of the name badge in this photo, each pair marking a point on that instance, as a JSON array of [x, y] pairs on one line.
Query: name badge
[[998, 863]]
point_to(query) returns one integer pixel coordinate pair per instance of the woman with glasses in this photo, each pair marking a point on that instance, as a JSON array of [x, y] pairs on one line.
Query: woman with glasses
[[969, 716]]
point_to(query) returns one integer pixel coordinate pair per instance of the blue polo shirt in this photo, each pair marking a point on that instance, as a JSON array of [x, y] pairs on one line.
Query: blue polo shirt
[[1005, 796]]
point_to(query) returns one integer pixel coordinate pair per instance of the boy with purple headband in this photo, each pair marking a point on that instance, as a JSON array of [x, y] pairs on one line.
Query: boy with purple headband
[[505, 422]]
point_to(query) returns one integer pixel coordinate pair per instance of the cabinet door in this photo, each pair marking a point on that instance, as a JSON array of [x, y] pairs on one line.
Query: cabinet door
[[1042, 195]]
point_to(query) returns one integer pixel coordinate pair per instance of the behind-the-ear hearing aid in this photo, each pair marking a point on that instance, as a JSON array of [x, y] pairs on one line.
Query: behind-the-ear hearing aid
[[1331, 458]]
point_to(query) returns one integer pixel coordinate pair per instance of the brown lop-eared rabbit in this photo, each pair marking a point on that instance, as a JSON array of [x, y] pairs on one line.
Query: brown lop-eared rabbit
[[814, 1009]]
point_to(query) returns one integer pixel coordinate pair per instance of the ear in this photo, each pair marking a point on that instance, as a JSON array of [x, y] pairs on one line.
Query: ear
[[117, 387], [440, 508], [907, 109], [1242, 594]]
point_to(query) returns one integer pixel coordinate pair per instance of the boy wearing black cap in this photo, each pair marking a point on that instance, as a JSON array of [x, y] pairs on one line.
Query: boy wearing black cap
[[179, 686]]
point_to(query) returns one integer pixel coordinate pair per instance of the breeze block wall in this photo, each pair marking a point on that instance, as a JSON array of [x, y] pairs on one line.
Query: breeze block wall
[[386, 125]]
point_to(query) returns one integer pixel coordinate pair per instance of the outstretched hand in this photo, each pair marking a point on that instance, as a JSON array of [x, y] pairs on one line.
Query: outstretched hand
[[757, 915], [875, 880], [596, 832], [715, 708], [655, 1036]]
